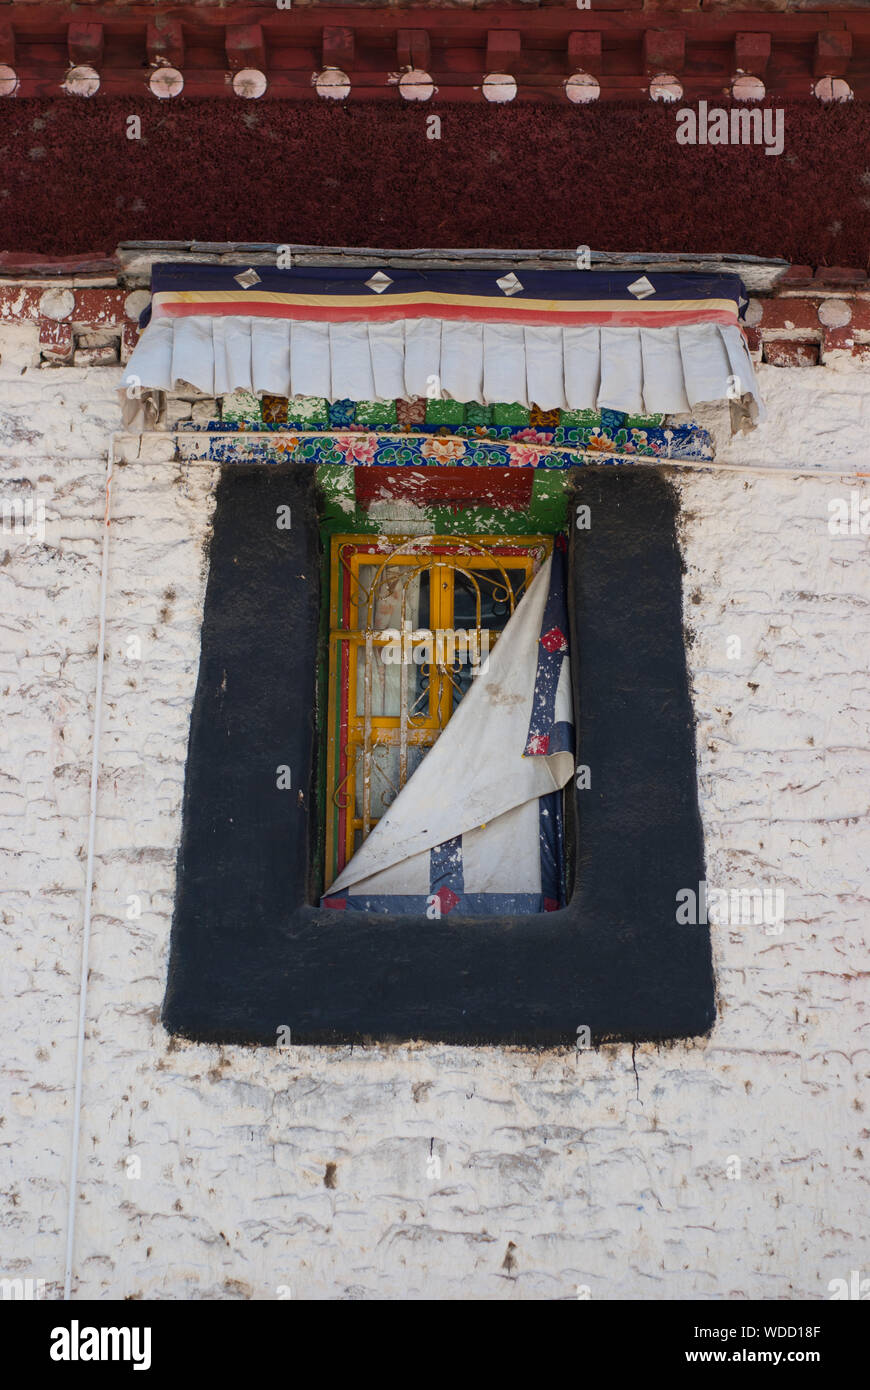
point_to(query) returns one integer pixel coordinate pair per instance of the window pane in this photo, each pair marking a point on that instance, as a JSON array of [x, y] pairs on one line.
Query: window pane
[[494, 597], [401, 589], [384, 776], [388, 671], [394, 583], [495, 609]]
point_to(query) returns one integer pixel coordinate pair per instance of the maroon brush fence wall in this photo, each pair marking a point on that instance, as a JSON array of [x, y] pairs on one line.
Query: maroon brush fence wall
[[612, 177]]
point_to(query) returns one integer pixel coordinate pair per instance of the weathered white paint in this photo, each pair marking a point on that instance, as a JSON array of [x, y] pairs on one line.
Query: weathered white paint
[[311, 1169]]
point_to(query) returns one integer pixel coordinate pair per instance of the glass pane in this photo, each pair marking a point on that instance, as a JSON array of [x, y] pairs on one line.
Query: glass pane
[[395, 583], [402, 597], [494, 597], [388, 671], [495, 608], [384, 776]]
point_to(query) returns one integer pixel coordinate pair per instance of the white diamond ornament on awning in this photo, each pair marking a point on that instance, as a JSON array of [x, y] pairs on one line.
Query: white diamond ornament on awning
[[571, 340]]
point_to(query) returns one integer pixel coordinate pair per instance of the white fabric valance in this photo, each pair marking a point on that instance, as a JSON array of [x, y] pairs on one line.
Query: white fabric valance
[[570, 340], [638, 370]]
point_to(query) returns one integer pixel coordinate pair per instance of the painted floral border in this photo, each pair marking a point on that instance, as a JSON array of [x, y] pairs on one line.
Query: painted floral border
[[380, 449]]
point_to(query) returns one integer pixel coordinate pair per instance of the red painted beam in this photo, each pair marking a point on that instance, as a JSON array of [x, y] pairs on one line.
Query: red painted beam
[[414, 49], [539, 22], [55, 339], [622, 44], [339, 47], [503, 50], [85, 43], [165, 42], [584, 51], [833, 53], [664, 50], [7, 43], [752, 53], [245, 46], [511, 486], [24, 263]]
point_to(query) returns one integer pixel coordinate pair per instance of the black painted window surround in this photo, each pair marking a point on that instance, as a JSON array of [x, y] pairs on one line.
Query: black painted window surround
[[250, 955]]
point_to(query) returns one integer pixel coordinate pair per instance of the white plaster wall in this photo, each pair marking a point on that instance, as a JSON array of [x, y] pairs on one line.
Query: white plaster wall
[[308, 1169], [817, 417]]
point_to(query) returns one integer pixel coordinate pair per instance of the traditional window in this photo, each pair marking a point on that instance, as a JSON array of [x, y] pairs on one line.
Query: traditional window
[[256, 953], [412, 622]]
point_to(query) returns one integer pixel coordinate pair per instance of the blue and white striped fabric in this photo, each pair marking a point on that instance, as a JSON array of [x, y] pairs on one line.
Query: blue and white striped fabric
[[478, 828]]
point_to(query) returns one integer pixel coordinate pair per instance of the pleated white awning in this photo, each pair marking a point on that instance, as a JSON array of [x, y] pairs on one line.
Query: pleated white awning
[[569, 340]]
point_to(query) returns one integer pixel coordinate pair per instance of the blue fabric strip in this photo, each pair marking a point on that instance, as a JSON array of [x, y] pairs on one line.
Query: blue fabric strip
[[469, 905], [571, 286], [445, 867], [552, 650]]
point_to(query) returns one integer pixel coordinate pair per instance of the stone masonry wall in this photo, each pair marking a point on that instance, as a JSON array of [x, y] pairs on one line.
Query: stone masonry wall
[[311, 1173]]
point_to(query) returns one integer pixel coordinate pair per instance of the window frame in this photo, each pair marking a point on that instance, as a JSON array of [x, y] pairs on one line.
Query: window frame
[[345, 727], [251, 958]]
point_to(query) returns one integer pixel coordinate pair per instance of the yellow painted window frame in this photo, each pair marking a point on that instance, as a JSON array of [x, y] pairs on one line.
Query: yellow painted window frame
[[347, 644]]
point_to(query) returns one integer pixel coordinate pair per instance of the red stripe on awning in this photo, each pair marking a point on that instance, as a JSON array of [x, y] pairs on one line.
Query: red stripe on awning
[[385, 313]]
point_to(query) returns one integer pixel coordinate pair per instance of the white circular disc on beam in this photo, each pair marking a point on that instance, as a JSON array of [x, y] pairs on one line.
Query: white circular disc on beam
[[333, 84], [249, 83], [82, 81], [582, 87], [416, 85], [499, 86], [665, 87], [57, 305], [745, 87], [832, 89], [166, 83], [835, 313], [136, 301]]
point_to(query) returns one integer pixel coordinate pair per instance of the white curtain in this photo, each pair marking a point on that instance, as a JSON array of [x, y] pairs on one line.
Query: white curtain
[[637, 370]]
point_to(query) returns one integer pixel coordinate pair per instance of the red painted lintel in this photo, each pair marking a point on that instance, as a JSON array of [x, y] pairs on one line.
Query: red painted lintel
[[512, 486]]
